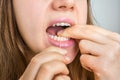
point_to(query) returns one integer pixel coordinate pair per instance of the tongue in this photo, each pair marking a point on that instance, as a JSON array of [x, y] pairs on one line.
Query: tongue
[[54, 30]]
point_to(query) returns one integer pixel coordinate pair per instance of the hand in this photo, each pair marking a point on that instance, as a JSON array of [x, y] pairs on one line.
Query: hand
[[100, 50], [47, 65], [62, 77]]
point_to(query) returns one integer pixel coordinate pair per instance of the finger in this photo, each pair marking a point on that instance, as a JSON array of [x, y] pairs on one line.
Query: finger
[[109, 34], [91, 48], [56, 49], [88, 62], [62, 77], [85, 32], [39, 59], [114, 36], [48, 70]]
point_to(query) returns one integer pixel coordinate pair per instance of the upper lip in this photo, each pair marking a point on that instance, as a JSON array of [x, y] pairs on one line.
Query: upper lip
[[60, 20]]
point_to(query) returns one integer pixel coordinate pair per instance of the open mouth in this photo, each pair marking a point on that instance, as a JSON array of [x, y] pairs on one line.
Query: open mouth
[[58, 40], [63, 42], [55, 28]]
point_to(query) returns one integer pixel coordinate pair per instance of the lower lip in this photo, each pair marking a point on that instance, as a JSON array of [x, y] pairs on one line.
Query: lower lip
[[62, 44]]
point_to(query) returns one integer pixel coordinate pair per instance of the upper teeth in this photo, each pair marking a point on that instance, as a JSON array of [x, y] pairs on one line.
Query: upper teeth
[[61, 24]]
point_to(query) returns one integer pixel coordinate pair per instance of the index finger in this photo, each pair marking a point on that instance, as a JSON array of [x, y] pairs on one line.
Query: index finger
[[87, 32]]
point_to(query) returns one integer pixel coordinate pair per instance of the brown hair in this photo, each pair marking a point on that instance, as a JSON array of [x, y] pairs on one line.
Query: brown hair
[[12, 48]]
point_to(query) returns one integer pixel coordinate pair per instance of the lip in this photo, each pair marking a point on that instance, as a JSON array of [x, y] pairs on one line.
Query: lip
[[62, 44]]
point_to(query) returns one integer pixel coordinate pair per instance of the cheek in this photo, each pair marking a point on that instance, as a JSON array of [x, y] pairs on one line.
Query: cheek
[[29, 19], [82, 12], [28, 13]]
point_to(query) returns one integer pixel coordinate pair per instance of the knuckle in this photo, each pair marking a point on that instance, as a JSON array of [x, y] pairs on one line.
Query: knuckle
[[89, 30], [82, 42], [83, 63], [114, 51], [46, 68], [82, 59], [114, 35], [35, 60], [82, 46], [116, 47]]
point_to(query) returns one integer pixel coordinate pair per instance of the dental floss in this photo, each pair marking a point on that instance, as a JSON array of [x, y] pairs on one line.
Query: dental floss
[[59, 41], [60, 45]]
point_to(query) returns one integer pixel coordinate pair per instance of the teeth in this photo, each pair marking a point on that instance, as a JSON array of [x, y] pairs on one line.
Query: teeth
[[55, 37], [61, 24]]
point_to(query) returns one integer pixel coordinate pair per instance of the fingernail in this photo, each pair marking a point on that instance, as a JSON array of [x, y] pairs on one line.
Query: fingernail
[[63, 52], [59, 33], [67, 58]]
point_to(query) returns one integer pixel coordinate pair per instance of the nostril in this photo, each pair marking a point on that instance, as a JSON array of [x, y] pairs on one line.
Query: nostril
[[72, 8], [63, 4], [62, 7], [65, 8]]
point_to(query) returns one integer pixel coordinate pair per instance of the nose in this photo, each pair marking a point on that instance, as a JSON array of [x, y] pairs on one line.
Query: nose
[[63, 5]]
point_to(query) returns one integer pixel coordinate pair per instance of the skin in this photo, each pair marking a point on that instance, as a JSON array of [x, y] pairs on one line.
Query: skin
[[100, 50], [95, 44], [33, 19]]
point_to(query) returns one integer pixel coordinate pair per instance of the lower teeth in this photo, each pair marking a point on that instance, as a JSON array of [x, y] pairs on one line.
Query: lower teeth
[[57, 38]]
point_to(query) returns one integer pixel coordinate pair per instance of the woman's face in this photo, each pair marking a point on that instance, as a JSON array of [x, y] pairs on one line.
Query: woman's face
[[40, 20]]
